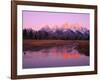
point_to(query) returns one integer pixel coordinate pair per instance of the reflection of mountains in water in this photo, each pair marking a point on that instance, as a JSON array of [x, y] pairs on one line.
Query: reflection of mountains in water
[[60, 49]]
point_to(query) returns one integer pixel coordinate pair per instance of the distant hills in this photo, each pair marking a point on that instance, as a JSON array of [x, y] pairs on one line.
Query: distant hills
[[56, 33]]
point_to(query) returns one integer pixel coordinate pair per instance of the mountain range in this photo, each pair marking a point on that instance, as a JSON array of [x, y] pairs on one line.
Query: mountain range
[[46, 32]]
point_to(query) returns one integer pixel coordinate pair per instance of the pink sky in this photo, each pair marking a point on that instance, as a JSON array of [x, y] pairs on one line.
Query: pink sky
[[36, 19]]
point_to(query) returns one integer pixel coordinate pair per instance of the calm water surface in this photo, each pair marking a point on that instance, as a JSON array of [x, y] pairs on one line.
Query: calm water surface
[[58, 56]]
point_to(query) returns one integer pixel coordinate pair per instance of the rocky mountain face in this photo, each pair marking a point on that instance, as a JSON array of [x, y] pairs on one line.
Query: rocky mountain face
[[57, 33]]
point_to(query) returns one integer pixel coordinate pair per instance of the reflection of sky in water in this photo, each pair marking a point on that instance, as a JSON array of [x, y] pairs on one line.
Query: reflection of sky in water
[[54, 57]]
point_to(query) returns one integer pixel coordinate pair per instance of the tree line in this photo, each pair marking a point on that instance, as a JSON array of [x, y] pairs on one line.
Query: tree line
[[58, 34]]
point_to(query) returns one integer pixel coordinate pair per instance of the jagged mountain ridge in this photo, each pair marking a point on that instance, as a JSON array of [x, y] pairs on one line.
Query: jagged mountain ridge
[[57, 33]]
